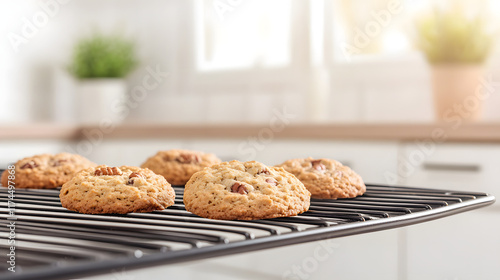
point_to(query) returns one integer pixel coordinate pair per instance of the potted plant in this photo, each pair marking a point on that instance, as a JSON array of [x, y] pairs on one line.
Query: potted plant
[[456, 46], [100, 63]]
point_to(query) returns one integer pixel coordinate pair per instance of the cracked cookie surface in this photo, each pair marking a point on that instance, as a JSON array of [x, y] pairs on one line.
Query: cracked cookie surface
[[117, 190], [326, 178], [245, 191], [177, 166], [47, 171]]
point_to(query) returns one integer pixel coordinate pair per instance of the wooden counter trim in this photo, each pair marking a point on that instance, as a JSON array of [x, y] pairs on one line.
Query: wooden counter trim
[[40, 131], [397, 132]]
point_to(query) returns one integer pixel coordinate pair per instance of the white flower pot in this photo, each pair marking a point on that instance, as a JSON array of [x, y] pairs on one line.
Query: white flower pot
[[98, 100], [457, 92]]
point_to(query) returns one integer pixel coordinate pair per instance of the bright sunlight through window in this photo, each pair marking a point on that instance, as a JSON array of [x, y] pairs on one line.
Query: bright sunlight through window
[[243, 34]]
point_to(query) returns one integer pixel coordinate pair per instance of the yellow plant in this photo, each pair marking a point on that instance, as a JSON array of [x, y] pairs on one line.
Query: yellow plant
[[450, 37]]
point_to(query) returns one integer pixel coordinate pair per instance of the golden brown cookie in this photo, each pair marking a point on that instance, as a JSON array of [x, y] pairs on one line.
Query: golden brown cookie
[[326, 178], [177, 166], [117, 190], [245, 191], [47, 171]]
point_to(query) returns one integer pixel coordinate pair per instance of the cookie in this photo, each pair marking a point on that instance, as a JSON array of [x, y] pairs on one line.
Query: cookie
[[326, 178], [245, 191], [177, 166], [118, 190], [47, 171]]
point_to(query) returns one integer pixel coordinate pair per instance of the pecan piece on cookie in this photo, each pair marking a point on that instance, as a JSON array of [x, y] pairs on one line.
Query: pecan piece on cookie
[[188, 158], [239, 188], [316, 164], [132, 177], [107, 171], [272, 181], [264, 171], [31, 164], [59, 162]]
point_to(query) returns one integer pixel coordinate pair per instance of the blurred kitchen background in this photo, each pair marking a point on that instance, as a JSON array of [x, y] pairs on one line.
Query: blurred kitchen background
[[403, 91], [326, 61]]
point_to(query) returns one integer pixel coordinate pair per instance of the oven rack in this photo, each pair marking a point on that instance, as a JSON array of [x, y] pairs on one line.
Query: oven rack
[[54, 243]]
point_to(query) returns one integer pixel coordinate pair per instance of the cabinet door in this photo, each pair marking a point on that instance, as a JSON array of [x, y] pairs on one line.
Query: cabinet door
[[451, 166], [463, 246], [365, 256]]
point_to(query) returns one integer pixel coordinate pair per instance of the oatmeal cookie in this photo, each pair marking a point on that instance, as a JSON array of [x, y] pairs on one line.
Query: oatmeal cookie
[[177, 166], [47, 171], [245, 191], [118, 190], [326, 178]]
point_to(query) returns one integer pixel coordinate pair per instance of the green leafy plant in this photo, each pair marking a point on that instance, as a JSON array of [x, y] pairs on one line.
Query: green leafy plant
[[103, 57], [450, 37]]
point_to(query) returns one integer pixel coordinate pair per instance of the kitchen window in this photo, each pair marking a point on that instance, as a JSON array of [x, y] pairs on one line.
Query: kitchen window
[[229, 52], [305, 62], [288, 37], [367, 31], [228, 42]]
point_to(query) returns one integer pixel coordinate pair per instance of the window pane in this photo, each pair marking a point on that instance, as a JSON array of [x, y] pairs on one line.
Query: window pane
[[243, 34], [373, 27], [386, 26]]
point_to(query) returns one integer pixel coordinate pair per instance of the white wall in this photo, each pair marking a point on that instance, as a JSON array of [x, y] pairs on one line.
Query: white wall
[[34, 72]]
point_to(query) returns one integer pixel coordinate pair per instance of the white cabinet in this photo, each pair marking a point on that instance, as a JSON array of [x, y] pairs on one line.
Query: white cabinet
[[461, 247], [464, 246], [366, 256], [473, 168]]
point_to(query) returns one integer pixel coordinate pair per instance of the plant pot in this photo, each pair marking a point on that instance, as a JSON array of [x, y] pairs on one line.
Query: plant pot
[[457, 92], [99, 100]]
